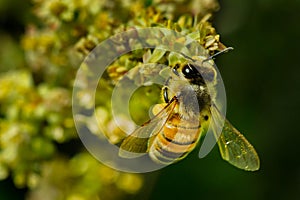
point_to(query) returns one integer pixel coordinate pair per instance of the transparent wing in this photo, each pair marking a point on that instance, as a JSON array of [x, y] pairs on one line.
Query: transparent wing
[[233, 146], [136, 144]]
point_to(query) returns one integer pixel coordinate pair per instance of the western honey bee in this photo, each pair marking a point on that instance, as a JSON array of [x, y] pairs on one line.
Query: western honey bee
[[176, 129]]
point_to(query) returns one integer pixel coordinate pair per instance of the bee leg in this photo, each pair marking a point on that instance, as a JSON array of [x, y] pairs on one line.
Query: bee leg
[[165, 94]]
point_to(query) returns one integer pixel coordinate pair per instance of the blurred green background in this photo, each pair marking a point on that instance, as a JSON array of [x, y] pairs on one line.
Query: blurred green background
[[262, 82]]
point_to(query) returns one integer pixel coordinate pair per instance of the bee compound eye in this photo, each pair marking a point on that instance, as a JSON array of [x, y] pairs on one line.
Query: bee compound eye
[[189, 71]]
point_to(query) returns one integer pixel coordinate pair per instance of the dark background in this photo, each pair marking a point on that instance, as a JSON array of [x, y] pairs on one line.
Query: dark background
[[262, 81], [261, 77]]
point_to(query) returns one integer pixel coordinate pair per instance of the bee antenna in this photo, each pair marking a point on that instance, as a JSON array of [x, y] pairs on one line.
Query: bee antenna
[[187, 57], [218, 53]]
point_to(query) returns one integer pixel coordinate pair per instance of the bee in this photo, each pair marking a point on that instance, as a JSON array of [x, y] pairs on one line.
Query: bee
[[184, 118]]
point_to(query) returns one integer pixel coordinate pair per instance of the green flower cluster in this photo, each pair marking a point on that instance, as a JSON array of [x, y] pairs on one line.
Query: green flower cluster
[[38, 142]]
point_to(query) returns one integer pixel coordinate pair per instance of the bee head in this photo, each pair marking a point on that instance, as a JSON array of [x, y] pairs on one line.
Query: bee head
[[195, 73], [190, 82]]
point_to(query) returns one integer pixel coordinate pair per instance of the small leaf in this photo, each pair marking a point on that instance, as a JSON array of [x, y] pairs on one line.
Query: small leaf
[[156, 55]]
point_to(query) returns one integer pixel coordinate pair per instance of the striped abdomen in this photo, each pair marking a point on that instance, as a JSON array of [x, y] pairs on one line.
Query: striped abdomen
[[177, 138]]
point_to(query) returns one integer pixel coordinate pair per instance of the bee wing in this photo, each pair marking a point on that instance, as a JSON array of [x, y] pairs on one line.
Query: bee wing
[[233, 146], [136, 144]]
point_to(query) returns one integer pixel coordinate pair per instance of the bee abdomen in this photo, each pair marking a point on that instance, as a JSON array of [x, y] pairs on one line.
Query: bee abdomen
[[173, 143]]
